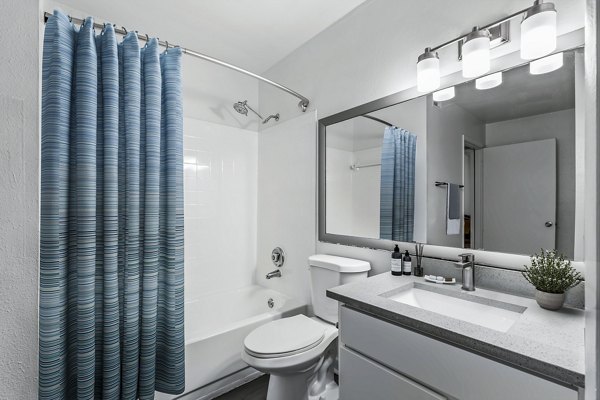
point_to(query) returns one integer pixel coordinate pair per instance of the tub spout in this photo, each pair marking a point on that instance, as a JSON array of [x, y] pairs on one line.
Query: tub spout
[[274, 274]]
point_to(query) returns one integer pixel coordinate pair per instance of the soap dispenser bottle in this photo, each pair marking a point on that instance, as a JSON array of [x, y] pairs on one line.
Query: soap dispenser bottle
[[406, 264], [396, 263]]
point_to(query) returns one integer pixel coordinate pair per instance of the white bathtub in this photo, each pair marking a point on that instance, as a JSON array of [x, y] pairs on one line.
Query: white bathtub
[[215, 328]]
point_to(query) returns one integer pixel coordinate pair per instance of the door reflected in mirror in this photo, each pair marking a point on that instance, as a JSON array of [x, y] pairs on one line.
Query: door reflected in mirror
[[492, 169]]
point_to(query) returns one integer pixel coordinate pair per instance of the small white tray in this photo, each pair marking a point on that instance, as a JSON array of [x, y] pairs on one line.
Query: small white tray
[[431, 278]]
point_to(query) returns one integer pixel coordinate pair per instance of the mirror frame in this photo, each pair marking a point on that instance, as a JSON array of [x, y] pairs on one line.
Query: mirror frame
[[569, 41]]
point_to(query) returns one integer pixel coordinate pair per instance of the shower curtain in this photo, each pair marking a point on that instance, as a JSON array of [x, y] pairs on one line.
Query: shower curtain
[[111, 246], [397, 193]]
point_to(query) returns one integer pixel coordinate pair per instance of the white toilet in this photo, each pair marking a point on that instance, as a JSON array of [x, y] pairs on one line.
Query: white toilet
[[300, 352]]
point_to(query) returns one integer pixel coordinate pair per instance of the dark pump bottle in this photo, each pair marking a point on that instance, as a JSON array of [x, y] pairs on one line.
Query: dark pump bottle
[[406, 264], [396, 264]]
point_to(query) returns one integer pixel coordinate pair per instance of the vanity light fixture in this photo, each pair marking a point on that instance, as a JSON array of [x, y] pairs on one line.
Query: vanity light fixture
[[538, 30], [489, 81], [546, 64], [444, 94], [428, 71], [538, 39], [476, 53]]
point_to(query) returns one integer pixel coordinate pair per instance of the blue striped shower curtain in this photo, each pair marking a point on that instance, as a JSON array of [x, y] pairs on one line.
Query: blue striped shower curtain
[[111, 246], [397, 196]]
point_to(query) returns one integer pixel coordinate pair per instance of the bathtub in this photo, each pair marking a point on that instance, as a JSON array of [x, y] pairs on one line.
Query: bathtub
[[215, 328]]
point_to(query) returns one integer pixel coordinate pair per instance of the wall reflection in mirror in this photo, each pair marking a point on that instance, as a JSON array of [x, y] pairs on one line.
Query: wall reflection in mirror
[[490, 165]]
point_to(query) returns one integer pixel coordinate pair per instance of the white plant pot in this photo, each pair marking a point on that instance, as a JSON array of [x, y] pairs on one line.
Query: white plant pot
[[550, 301]]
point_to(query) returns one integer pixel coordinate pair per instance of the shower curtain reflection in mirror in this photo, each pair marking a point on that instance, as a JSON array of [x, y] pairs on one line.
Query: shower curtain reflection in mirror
[[397, 196]]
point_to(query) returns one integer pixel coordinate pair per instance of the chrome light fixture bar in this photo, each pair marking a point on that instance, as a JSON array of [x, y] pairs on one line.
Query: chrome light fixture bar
[[539, 23]]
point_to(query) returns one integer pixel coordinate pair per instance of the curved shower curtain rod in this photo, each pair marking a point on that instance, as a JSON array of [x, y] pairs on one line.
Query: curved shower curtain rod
[[303, 104]]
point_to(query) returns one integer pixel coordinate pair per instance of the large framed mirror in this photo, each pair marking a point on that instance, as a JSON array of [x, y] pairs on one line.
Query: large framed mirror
[[494, 167]]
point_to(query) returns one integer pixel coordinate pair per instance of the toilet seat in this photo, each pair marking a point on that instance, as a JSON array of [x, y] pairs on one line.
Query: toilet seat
[[284, 337], [303, 360]]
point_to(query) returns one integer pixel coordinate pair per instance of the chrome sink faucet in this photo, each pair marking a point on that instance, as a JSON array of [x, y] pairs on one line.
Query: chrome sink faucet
[[467, 263], [274, 274]]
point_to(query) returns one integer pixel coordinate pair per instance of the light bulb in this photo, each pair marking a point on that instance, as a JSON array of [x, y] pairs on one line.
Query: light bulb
[[538, 31], [476, 53], [444, 94], [546, 64], [489, 81], [428, 71]]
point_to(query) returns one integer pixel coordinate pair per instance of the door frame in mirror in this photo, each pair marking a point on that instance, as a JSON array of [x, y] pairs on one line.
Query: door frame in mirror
[[566, 42]]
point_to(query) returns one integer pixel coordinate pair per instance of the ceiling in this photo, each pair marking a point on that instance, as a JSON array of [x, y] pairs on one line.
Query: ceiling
[[251, 34]]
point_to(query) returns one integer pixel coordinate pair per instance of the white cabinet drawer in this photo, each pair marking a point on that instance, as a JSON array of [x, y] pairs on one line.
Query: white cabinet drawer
[[361, 379], [450, 370]]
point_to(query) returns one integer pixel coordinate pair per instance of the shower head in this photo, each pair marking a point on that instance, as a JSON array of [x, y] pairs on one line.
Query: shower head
[[240, 107]]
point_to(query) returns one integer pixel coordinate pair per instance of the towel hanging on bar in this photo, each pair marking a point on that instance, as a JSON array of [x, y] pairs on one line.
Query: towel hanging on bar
[[452, 209]]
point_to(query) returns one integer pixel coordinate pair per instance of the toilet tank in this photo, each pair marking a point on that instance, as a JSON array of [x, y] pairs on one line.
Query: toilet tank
[[329, 271]]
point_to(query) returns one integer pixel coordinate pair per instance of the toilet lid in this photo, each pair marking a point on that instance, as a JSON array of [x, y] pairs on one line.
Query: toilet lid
[[284, 337]]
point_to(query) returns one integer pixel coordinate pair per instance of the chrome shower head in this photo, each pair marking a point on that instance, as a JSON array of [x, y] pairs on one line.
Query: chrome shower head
[[240, 107]]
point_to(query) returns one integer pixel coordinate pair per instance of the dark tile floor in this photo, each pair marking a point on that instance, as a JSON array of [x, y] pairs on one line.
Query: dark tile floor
[[254, 390]]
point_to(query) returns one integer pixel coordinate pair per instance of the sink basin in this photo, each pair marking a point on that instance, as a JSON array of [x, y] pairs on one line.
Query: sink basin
[[488, 313]]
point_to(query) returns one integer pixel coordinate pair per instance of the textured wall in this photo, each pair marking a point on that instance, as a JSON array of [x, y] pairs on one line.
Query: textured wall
[[19, 185]]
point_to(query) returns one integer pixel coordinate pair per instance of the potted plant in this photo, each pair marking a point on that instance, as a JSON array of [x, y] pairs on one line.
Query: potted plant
[[552, 276]]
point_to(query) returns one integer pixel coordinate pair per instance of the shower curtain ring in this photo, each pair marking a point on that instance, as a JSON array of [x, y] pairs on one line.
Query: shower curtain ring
[[147, 38], [70, 19], [167, 44], [125, 29]]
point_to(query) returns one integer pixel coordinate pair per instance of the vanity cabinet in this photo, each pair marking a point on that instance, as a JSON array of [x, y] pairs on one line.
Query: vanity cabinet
[[380, 360]]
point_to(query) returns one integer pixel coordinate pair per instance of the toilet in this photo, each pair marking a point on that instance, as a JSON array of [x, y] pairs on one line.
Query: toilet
[[300, 352]]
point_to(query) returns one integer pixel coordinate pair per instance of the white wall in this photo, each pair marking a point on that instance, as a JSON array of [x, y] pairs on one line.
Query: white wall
[[220, 187], [445, 129], [559, 125], [19, 199], [286, 202]]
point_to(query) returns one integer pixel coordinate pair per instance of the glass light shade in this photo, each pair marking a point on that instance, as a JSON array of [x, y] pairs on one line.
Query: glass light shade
[[428, 74], [489, 81], [546, 64], [444, 94], [538, 32], [476, 57]]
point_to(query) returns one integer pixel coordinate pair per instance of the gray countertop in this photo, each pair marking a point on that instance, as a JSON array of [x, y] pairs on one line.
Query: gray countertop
[[547, 343]]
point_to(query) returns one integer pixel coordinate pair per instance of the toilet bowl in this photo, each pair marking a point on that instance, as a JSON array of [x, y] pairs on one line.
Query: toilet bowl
[[300, 352]]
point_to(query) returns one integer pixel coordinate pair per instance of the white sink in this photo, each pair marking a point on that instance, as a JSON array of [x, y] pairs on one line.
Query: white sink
[[494, 315]]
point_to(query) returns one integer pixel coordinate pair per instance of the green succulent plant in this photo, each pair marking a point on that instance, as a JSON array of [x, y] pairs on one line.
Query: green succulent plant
[[550, 272]]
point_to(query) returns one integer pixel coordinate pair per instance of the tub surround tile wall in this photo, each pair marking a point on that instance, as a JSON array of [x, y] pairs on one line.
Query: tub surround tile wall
[[220, 189]]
